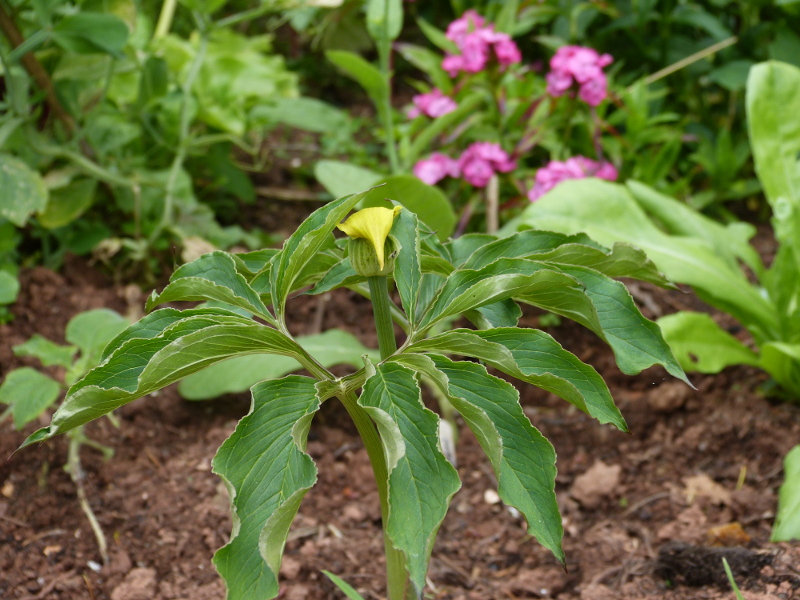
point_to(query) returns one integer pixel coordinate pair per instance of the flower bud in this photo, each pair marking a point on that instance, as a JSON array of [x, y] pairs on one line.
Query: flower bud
[[372, 252], [365, 260]]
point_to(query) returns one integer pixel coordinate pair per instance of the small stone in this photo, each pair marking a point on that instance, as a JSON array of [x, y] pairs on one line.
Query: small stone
[[669, 397], [297, 592], [491, 497], [601, 481], [8, 489], [353, 513], [139, 584]]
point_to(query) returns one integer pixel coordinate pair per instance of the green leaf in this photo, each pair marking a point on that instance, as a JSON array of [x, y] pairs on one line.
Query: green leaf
[[522, 459], [731, 241], [267, 472], [139, 365], [29, 393], [608, 213], [535, 357], [466, 290], [88, 33], [342, 274], [505, 313], [429, 62], [333, 347], [213, 276], [421, 480], [68, 203], [787, 520], [637, 343], [24, 191], [773, 118], [9, 288], [345, 587], [49, 353], [303, 245], [364, 73], [437, 37], [782, 362], [308, 114], [623, 260], [428, 202], [343, 178], [91, 331], [384, 18], [700, 344], [407, 269]]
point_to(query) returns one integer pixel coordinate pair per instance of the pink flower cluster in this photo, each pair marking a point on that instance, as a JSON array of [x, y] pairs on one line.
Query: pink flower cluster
[[577, 167], [474, 39], [434, 104], [584, 66], [477, 164]]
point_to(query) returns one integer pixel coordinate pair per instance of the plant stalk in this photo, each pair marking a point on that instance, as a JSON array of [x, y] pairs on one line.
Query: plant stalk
[[384, 62], [165, 18], [75, 470], [398, 587], [381, 307]]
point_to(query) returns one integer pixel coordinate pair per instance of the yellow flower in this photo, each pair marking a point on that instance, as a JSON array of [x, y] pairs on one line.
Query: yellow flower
[[373, 225]]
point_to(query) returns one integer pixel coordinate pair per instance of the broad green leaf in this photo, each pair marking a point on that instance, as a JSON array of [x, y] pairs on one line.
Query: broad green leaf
[[308, 114], [142, 365], [773, 118], [304, 244], [505, 313], [254, 262], [9, 288], [461, 248], [782, 362], [29, 393], [24, 190], [384, 19], [68, 203], [426, 201], [421, 480], [49, 353], [522, 459], [364, 73], [700, 344], [342, 178], [787, 520], [340, 275], [623, 260], [91, 331], [156, 322], [88, 33], [466, 290], [407, 269], [731, 240], [536, 358], [637, 343], [213, 276], [333, 347], [267, 472], [608, 213]]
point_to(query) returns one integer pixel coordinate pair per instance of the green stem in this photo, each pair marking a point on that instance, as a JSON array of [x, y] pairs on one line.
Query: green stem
[[183, 142], [381, 307], [397, 583], [165, 18], [75, 470], [384, 63]]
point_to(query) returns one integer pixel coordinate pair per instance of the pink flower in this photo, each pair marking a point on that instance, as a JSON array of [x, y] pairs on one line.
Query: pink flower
[[475, 40], [584, 66], [434, 104], [482, 160], [436, 167], [577, 167], [470, 21]]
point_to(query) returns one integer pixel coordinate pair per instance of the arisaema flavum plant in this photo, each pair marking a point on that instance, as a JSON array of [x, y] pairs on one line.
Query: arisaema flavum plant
[[480, 277]]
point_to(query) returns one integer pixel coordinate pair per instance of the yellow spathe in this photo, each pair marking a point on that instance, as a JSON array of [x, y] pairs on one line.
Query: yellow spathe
[[372, 224]]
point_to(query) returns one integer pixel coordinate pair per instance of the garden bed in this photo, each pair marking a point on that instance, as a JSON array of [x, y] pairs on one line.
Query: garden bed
[[640, 510]]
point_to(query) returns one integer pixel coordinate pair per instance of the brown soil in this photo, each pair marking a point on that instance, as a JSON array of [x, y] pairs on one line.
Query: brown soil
[[642, 511]]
